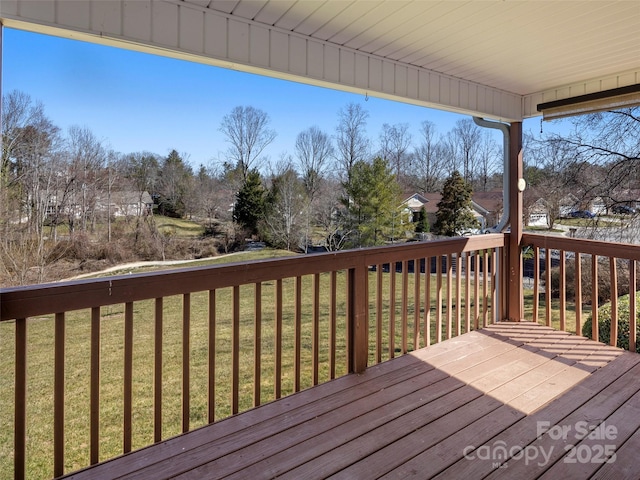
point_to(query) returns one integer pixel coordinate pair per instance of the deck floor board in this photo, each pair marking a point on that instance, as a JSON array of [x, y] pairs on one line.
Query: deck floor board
[[438, 412]]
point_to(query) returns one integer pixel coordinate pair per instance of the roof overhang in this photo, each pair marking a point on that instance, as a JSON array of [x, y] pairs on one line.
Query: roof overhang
[[495, 59]]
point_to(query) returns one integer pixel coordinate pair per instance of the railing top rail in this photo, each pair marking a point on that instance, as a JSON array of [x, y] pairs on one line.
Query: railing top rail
[[578, 245], [33, 300]]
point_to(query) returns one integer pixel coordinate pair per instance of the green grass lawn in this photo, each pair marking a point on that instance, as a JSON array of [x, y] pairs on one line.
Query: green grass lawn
[[77, 353], [178, 226], [602, 222]]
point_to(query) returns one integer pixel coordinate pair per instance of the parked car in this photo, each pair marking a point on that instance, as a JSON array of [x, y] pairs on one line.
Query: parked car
[[581, 214], [623, 210]]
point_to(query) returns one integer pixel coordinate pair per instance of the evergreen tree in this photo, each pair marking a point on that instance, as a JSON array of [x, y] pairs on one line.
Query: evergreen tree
[[374, 215], [174, 185], [250, 203], [454, 215], [422, 224]]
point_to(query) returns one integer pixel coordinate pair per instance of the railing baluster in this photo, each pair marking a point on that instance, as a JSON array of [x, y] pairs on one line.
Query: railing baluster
[[157, 370], [94, 453], [332, 324], [494, 277], [594, 297], [577, 300], [20, 404], [235, 352], [416, 303], [613, 270], [128, 376], [405, 305], [439, 299], [547, 285], [379, 313], [485, 287], [316, 327], [562, 291], [458, 293], [257, 343], [392, 309], [186, 355], [348, 305], [297, 333], [211, 377], [476, 290], [427, 301], [278, 341], [632, 306], [449, 294], [58, 396], [536, 282], [467, 291]]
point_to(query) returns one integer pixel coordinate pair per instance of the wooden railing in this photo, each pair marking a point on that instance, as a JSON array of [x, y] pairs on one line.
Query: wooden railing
[[572, 278], [209, 342]]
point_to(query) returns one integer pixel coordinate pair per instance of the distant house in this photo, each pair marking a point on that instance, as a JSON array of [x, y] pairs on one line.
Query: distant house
[[413, 206], [489, 204], [486, 207], [126, 203], [537, 214], [599, 206]]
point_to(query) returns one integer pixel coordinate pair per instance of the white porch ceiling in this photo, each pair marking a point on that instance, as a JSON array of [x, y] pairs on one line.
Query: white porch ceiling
[[492, 58]]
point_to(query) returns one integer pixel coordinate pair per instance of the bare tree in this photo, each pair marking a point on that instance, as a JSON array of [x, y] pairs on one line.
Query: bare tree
[[466, 139], [248, 133], [87, 171], [314, 150], [142, 169], [610, 140], [285, 207], [554, 159], [487, 163], [352, 144], [18, 112], [208, 195], [31, 167], [327, 214], [429, 161], [395, 141]]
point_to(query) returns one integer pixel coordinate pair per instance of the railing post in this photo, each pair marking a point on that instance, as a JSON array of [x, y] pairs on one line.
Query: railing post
[[515, 301], [358, 317], [20, 409]]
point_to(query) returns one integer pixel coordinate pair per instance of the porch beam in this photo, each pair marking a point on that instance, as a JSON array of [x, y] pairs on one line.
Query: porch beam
[[515, 307]]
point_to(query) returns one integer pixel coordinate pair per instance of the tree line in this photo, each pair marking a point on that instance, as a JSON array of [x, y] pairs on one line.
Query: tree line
[[338, 189]]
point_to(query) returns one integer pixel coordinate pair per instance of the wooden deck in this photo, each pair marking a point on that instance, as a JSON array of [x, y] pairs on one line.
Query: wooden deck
[[453, 410]]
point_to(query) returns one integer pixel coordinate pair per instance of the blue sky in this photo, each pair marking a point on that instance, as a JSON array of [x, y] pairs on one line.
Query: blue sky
[[140, 102]]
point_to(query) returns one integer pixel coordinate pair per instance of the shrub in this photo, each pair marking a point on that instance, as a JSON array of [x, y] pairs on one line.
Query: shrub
[[604, 322], [77, 247]]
